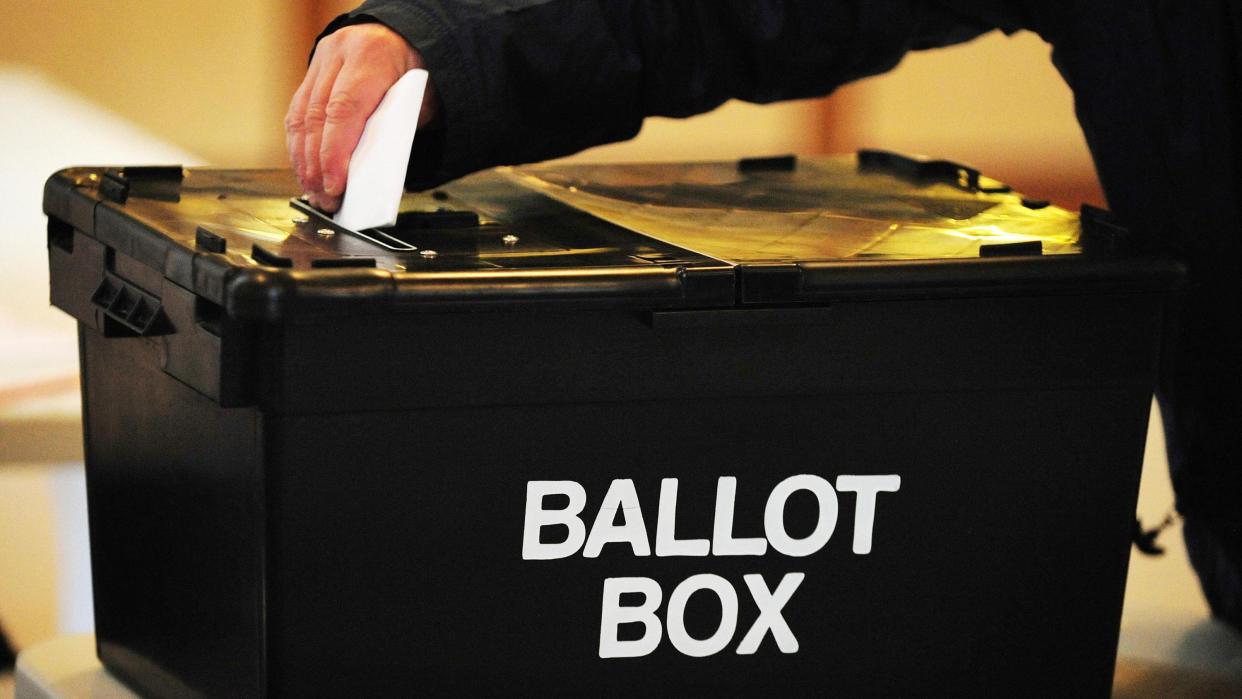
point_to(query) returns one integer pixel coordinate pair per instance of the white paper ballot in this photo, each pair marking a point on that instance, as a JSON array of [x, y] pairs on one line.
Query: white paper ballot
[[377, 169]]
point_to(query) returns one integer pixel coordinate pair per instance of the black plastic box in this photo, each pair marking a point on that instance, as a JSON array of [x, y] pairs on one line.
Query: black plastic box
[[905, 411]]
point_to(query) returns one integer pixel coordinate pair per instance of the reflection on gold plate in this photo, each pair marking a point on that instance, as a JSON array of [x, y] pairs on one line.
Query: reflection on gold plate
[[825, 209]]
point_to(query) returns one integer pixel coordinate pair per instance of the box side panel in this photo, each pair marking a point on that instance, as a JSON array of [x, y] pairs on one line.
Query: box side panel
[[997, 566], [511, 358], [174, 487]]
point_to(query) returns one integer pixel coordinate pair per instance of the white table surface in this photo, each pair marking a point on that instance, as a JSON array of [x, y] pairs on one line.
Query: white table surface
[[66, 668]]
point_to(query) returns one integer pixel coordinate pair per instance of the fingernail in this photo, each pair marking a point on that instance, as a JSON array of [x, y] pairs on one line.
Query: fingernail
[[330, 185]]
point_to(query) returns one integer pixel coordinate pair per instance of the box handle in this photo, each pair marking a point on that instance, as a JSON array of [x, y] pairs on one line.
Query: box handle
[[135, 311]]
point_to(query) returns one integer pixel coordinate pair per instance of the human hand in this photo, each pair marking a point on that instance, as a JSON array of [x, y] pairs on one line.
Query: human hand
[[349, 74]]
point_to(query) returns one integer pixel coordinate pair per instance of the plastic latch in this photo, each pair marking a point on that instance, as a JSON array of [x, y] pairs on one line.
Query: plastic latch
[[947, 171], [1026, 247], [207, 241], [114, 187], [154, 181], [154, 172], [439, 218], [665, 258], [266, 257], [1103, 233], [338, 262], [777, 163], [134, 309]]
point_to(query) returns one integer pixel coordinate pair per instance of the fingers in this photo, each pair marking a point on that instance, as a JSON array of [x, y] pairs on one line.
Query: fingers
[[348, 76], [313, 121], [355, 95], [295, 119]]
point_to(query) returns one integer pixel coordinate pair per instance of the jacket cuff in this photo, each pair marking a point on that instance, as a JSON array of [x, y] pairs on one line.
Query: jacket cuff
[[448, 147]]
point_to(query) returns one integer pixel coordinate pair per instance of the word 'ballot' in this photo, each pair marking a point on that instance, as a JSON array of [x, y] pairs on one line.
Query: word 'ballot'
[[619, 521]]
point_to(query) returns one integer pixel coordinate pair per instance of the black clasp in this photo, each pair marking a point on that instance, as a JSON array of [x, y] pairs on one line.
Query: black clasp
[[919, 168]]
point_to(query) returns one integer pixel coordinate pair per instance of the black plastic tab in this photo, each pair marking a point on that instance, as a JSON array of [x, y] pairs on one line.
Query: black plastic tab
[[1026, 247], [135, 310], [440, 218], [770, 283], [162, 182], [114, 187], [914, 167], [778, 163], [154, 172], [738, 317], [207, 241], [1102, 233], [266, 257], [334, 262]]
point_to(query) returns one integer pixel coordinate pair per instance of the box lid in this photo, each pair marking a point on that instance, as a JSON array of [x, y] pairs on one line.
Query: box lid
[[698, 235]]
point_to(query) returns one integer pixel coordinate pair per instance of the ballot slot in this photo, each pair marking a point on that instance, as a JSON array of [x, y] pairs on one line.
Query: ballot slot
[[372, 235], [443, 229]]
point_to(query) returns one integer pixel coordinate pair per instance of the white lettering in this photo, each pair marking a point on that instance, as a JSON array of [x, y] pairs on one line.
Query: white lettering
[[770, 605], [723, 543], [613, 615], [620, 496], [537, 518], [677, 634], [774, 515], [864, 509], [667, 543]]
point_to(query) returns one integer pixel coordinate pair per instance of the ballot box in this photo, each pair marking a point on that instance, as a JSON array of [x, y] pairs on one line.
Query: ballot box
[[860, 425]]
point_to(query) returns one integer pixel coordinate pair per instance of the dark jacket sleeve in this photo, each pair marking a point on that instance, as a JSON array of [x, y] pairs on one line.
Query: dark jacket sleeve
[[526, 80]]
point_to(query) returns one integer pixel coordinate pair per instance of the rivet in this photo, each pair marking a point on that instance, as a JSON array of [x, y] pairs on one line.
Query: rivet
[[300, 220], [326, 232], [428, 253], [510, 239]]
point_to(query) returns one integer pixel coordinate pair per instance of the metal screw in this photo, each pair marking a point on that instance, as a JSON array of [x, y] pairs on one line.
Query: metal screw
[[428, 253], [326, 232], [510, 239], [300, 220]]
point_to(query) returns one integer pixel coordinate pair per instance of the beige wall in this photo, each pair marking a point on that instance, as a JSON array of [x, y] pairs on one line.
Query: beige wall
[[214, 77], [996, 103], [27, 553], [210, 76]]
